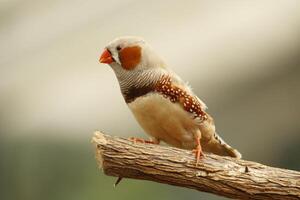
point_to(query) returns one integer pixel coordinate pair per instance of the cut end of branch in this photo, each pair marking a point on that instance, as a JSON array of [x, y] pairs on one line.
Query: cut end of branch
[[99, 139]]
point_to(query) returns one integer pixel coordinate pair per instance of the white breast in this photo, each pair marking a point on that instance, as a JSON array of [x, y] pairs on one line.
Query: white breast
[[165, 120]]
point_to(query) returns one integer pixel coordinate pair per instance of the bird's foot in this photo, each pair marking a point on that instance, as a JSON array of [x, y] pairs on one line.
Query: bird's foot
[[136, 140], [198, 153]]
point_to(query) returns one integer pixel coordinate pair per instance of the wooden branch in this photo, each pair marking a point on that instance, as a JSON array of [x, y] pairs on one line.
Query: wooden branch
[[223, 176]]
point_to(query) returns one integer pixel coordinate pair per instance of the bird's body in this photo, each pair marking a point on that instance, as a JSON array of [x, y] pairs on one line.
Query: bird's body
[[163, 104], [165, 120]]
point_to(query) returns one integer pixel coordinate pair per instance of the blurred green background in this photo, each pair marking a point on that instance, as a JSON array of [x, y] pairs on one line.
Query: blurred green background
[[241, 57]]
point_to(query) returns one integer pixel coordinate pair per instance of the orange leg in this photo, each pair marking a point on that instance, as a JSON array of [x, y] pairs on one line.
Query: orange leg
[[198, 151], [135, 140]]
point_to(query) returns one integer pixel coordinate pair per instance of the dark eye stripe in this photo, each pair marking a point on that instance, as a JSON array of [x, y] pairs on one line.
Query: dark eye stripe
[[108, 50], [111, 54]]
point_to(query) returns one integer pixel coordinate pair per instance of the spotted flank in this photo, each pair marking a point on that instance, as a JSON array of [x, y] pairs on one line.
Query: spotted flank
[[176, 94]]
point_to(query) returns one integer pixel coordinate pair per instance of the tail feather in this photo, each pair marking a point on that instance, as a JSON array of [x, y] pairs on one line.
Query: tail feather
[[218, 146]]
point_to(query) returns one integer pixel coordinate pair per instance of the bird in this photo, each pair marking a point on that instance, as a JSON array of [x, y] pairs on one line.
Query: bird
[[162, 103]]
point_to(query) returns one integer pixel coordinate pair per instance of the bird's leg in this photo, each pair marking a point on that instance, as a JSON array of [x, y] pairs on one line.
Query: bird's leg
[[198, 151], [151, 141]]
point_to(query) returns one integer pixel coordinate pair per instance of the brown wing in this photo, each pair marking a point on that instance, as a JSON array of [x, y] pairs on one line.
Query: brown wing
[[190, 103]]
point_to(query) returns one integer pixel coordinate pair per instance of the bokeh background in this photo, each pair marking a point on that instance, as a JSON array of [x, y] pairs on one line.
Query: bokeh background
[[241, 57]]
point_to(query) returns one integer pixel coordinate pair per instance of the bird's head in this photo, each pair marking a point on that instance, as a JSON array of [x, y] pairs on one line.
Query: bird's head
[[130, 54], [136, 65]]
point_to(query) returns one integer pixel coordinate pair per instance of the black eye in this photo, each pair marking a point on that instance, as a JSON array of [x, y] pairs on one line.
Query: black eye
[[118, 48]]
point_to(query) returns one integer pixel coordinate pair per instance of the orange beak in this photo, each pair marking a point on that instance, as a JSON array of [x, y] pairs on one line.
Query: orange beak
[[106, 57]]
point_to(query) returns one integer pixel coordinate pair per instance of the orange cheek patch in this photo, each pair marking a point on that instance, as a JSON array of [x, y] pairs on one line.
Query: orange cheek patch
[[130, 57]]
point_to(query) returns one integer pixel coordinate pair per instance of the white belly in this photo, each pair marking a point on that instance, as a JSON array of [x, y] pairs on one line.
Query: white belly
[[165, 120]]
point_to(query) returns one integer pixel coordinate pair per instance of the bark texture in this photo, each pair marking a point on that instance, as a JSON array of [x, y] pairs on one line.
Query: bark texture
[[225, 176]]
